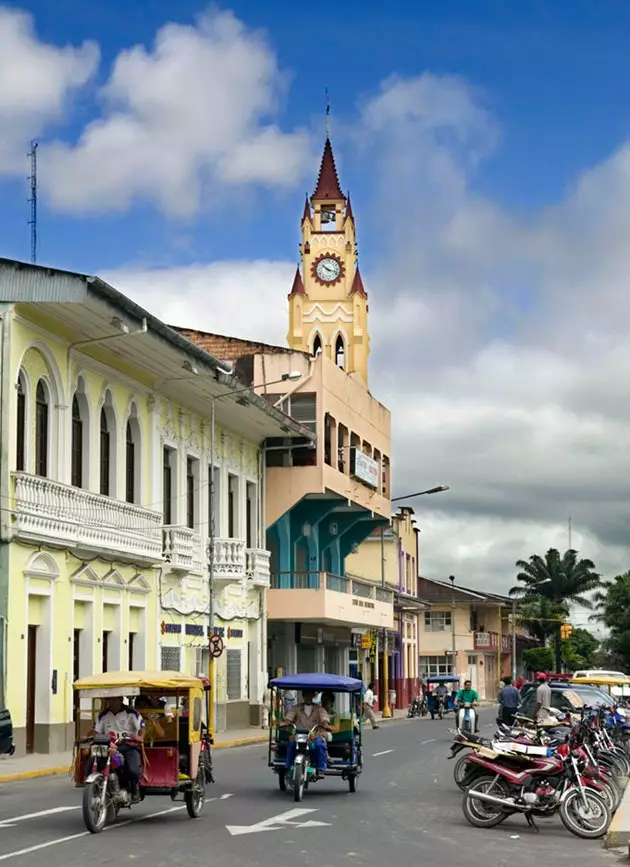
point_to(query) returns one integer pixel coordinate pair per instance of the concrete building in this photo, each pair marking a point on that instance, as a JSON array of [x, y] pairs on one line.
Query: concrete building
[[390, 558], [105, 480], [321, 502]]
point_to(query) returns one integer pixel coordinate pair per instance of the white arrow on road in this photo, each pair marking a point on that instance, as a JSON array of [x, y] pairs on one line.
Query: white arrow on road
[[284, 820], [10, 823]]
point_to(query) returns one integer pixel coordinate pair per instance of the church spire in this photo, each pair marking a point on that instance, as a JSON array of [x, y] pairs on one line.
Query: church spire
[[357, 284], [327, 188], [298, 284]]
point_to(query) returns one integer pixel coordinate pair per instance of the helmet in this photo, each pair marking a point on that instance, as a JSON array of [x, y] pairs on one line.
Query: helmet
[[541, 676]]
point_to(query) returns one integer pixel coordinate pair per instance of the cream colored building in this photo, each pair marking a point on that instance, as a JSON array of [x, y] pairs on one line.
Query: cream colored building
[[390, 558], [96, 564]]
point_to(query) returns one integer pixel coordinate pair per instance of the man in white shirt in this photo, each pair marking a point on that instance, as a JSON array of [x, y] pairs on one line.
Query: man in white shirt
[[124, 720], [368, 705], [543, 696]]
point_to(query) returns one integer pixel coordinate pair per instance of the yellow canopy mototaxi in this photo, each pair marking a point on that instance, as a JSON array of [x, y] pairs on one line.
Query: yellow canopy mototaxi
[[168, 709]]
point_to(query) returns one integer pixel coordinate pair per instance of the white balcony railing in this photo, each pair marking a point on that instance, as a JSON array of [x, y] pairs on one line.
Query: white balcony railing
[[51, 512], [229, 560], [258, 566], [183, 549]]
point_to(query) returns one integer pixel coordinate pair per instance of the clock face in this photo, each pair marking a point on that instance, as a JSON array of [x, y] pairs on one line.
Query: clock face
[[328, 270]]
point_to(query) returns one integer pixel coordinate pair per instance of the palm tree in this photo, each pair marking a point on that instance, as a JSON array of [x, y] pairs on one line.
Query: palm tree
[[562, 580]]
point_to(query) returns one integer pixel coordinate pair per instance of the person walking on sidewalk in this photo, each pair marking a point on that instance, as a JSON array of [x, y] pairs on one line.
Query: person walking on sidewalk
[[368, 705]]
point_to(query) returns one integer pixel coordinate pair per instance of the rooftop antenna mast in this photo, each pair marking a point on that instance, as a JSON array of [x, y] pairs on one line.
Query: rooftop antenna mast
[[32, 155]]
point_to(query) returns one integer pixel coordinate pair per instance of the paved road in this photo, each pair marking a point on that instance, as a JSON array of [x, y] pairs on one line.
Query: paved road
[[406, 811]]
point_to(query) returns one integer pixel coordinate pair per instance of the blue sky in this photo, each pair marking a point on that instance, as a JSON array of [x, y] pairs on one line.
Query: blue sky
[[486, 145], [555, 76]]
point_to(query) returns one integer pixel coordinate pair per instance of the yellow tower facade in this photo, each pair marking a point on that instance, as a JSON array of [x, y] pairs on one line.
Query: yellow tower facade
[[328, 304]]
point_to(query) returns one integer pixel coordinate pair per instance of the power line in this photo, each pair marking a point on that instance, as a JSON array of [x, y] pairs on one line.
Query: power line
[[32, 155]]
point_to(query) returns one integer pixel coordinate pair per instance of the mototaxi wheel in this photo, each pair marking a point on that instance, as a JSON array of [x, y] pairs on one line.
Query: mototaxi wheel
[[460, 772], [95, 806], [352, 782], [195, 798], [588, 821], [480, 814], [282, 781], [299, 772]]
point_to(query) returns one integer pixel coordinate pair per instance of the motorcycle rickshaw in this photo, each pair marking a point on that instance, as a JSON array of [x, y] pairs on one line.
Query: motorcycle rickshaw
[[174, 742], [343, 744], [434, 703]]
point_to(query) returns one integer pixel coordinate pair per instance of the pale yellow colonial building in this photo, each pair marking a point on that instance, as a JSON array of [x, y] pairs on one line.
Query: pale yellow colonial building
[[105, 480], [390, 558]]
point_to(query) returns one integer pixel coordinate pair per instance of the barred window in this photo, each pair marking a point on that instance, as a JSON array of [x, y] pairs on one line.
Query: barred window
[[233, 675], [171, 658]]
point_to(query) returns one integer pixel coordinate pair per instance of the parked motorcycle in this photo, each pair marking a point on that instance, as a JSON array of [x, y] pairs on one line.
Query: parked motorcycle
[[418, 707]]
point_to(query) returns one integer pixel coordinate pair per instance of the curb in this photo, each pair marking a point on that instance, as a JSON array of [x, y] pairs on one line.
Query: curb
[[618, 834]]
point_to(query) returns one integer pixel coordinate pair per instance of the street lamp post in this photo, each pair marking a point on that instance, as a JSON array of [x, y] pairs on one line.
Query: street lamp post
[[287, 377], [387, 711], [451, 578]]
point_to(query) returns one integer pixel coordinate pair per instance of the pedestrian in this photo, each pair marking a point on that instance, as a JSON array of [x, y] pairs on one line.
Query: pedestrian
[[368, 705], [543, 696], [509, 700]]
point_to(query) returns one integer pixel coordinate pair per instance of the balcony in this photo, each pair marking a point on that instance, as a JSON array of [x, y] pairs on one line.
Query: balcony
[[183, 550], [323, 597], [229, 561], [490, 641], [52, 513], [258, 567]]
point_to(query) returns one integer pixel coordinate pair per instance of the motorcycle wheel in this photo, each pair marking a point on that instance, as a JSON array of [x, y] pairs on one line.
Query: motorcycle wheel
[[298, 782], [459, 772], [611, 795], [195, 798], [282, 781], [94, 806], [590, 822], [482, 815], [621, 760]]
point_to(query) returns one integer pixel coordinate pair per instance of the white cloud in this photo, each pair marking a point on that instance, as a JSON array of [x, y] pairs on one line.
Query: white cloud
[[35, 81], [499, 343], [181, 123]]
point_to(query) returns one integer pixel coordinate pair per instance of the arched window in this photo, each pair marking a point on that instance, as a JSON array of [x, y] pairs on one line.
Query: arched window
[[130, 482], [105, 454], [41, 429], [317, 345], [76, 475], [132, 452], [340, 352], [20, 447]]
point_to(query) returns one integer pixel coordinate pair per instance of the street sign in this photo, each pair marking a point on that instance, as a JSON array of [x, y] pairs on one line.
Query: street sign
[[276, 823], [216, 646]]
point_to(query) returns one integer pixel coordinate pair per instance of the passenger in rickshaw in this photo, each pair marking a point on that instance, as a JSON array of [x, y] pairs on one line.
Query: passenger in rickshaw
[[124, 720], [308, 715]]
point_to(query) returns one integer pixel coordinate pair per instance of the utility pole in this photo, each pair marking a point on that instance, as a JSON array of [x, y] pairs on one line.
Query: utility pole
[[32, 155], [451, 578], [513, 640], [387, 711]]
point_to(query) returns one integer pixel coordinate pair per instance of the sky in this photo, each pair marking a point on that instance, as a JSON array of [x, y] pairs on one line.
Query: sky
[[487, 149]]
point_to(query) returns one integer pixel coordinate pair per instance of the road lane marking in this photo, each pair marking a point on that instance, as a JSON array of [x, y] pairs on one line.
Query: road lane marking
[[10, 823], [58, 840], [430, 741], [276, 823], [382, 753]]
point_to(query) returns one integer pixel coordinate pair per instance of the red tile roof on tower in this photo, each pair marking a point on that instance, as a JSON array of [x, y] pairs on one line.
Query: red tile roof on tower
[[298, 284], [357, 284], [307, 210], [349, 214], [327, 187]]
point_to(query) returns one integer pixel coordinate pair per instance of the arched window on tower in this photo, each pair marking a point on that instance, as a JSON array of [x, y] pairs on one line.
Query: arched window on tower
[[41, 429], [317, 345], [340, 352]]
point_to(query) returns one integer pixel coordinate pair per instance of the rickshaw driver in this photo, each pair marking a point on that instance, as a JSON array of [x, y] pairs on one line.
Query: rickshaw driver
[[124, 720], [308, 715]]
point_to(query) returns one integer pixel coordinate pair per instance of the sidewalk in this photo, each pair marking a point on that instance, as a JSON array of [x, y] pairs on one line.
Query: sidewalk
[[52, 764]]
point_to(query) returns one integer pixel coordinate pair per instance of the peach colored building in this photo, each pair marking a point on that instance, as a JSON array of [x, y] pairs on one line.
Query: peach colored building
[[321, 501]]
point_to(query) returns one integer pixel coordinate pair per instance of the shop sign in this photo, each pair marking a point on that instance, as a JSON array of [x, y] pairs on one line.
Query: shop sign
[[170, 627], [364, 468]]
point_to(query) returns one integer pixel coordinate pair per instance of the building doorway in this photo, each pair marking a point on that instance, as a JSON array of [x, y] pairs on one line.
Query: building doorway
[[31, 684]]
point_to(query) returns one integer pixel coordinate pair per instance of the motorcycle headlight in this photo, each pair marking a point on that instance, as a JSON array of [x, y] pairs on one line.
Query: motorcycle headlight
[[100, 751]]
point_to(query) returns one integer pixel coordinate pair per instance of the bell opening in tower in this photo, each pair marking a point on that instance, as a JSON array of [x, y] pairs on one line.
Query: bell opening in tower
[[317, 345], [340, 352], [328, 218]]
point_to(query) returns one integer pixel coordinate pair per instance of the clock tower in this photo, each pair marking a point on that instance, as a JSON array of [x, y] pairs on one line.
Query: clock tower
[[328, 304]]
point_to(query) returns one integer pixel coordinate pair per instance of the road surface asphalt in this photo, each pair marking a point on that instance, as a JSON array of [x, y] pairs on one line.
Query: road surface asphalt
[[407, 811]]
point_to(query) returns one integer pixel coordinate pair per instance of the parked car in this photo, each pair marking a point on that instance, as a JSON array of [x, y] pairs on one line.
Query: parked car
[[560, 698], [7, 747]]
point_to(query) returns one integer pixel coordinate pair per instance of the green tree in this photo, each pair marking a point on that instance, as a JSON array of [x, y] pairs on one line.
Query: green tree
[[562, 580], [613, 610], [580, 649], [538, 658]]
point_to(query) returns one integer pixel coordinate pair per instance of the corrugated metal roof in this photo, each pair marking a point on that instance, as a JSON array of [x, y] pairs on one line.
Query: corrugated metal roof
[[26, 283]]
